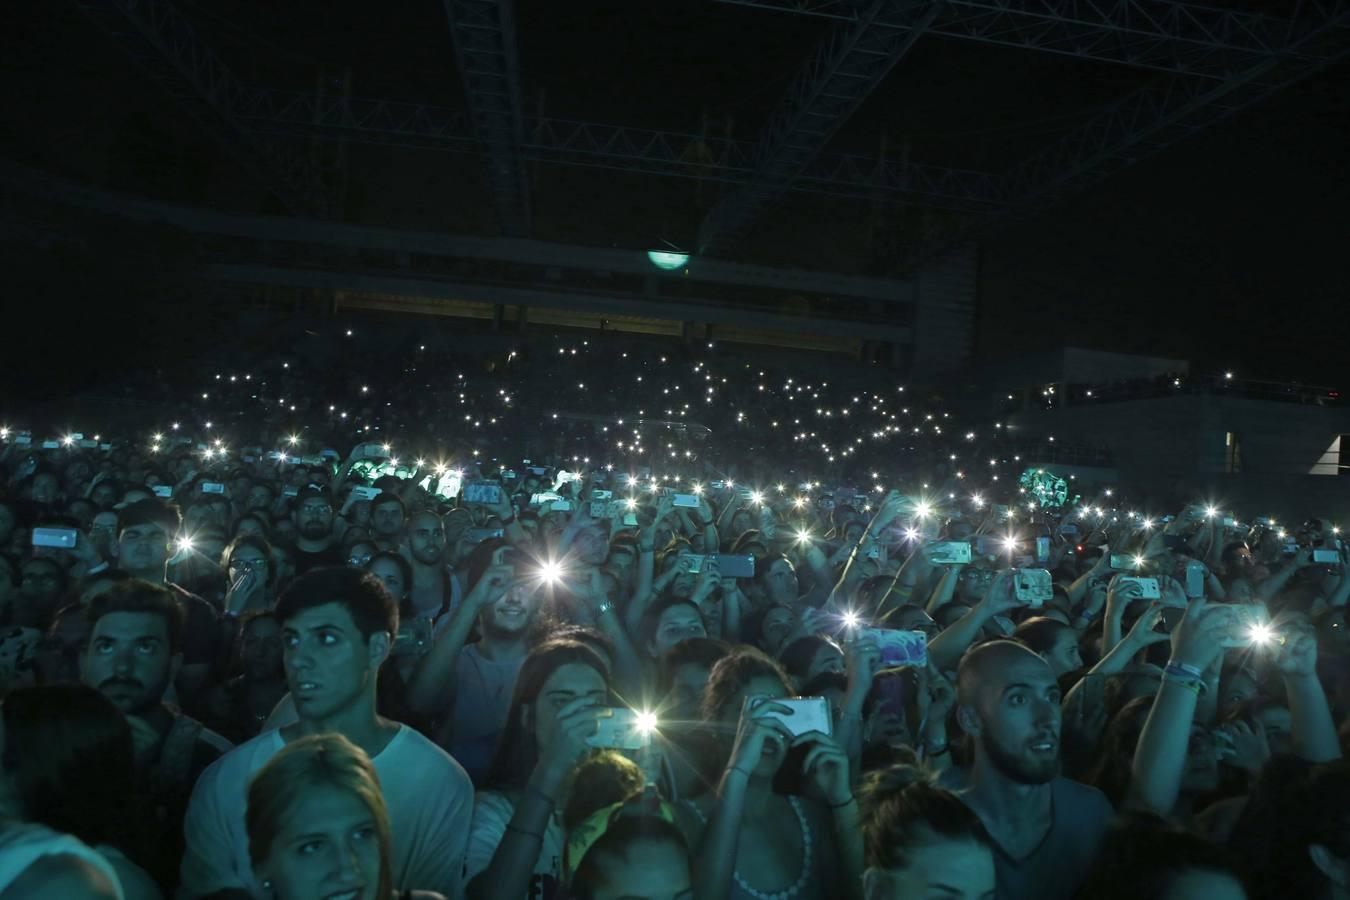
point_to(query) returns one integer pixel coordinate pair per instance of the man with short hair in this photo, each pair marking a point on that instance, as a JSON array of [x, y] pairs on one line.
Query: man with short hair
[[434, 588], [473, 682], [338, 625], [387, 515], [313, 518], [1045, 829], [133, 652], [145, 531]]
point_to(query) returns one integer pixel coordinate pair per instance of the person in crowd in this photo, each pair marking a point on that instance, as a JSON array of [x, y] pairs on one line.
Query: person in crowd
[[922, 841], [312, 519], [66, 763], [133, 651], [434, 591], [1046, 828], [1143, 856], [749, 838], [239, 706], [516, 847], [338, 625], [469, 683], [637, 856], [318, 826]]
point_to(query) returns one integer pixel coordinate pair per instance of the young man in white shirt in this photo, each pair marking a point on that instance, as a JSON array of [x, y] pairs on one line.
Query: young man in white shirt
[[337, 628]]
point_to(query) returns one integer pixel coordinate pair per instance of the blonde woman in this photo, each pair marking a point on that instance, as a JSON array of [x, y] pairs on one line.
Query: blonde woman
[[317, 825]]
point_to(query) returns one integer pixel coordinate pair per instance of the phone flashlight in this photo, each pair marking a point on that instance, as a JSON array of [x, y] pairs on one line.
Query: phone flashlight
[[645, 722]]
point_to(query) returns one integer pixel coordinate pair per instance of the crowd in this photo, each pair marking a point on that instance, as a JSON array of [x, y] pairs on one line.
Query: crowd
[[255, 653]]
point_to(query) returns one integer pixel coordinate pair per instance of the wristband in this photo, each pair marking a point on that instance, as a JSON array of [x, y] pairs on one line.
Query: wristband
[[1195, 687], [1184, 669], [1087, 615], [537, 837], [94, 570], [850, 799]]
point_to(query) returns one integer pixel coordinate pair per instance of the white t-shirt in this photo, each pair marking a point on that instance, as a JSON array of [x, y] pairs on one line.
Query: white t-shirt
[[491, 813], [24, 843], [426, 792]]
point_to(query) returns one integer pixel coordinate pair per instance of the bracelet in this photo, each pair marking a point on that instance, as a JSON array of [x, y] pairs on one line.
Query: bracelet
[[537, 837], [738, 769], [1195, 687], [1184, 669], [851, 799], [604, 607]]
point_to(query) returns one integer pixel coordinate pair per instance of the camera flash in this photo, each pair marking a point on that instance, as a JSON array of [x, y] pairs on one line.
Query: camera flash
[[645, 722]]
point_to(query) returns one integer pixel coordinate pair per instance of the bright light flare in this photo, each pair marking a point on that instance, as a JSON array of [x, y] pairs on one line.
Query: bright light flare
[[757, 497], [645, 722], [851, 619], [293, 439], [1261, 634], [803, 537], [923, 510], [1138, 562], [911, 534], [185, 543], [551, 572], [1211, 511]]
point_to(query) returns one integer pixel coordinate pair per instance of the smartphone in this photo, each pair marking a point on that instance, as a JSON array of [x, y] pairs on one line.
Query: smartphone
[[414, 637], [600, 509], [805, 714], [1033, 587], [543, 498], [485, 492], [1069, 530], [618, 728], [364, 492], [538, 471], [560, 506], [734, 565], [1324, 557], [900, 648], [163, 490], [212, 487], [1195, 579], [1122, 562], [64, 538], [693, 562], [949, 553], [1171, 616], [290, 492], [1148, 587], [1249, 624], [1000, 511], [688, 501], [599, 496], [478, 535], [1042, 549]]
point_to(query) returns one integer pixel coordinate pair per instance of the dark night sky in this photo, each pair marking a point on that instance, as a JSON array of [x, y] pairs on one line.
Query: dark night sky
[[1229, 248]]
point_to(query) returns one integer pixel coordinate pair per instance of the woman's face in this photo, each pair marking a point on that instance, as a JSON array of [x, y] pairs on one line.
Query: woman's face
[[1064, 656], [774, 748], [45, 488], [360, 554], [947, 869], [391, 574], [675, 624], [569, 683], [1235, 690], [327, 847]]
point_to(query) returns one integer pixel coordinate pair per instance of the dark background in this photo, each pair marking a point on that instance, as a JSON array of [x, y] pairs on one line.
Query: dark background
[[1228, 249]]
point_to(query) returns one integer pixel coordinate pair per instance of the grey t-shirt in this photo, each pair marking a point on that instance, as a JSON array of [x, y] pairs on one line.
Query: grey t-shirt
[[482, 701], [1060, 864]]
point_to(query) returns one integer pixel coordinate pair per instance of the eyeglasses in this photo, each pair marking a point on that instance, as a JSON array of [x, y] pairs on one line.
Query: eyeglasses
[[359, 560], [248, 564]]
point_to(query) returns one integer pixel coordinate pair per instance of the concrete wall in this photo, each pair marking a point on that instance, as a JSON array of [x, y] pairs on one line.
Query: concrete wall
[[1176, 445]]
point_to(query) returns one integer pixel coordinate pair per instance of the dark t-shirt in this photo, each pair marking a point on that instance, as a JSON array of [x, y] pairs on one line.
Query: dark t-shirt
[[304, 560], [202, 634], [1057, 868]]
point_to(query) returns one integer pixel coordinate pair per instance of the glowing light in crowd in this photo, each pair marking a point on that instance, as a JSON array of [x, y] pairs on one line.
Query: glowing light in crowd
[[645, 722]]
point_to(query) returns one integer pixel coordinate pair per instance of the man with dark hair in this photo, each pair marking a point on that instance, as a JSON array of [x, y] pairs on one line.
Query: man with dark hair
[[434, 588], [1046, 829], [313, 520], [338, 625], [472, 681], [387, 515], [134, 650], [145, 531]]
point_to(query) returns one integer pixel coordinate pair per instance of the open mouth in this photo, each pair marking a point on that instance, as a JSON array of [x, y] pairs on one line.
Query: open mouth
[[1047, 747]]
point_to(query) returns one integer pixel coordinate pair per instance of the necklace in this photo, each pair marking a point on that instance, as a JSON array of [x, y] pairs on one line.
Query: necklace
[[792, 890]]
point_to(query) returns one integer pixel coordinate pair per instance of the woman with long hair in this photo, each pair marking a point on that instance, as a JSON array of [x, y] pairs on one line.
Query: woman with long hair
[[516, 841], [753, 837], [317, 824]]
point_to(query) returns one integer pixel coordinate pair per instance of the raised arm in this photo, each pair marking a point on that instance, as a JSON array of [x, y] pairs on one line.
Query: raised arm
[[432, 687], [1160, 756], [1313, 730]]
